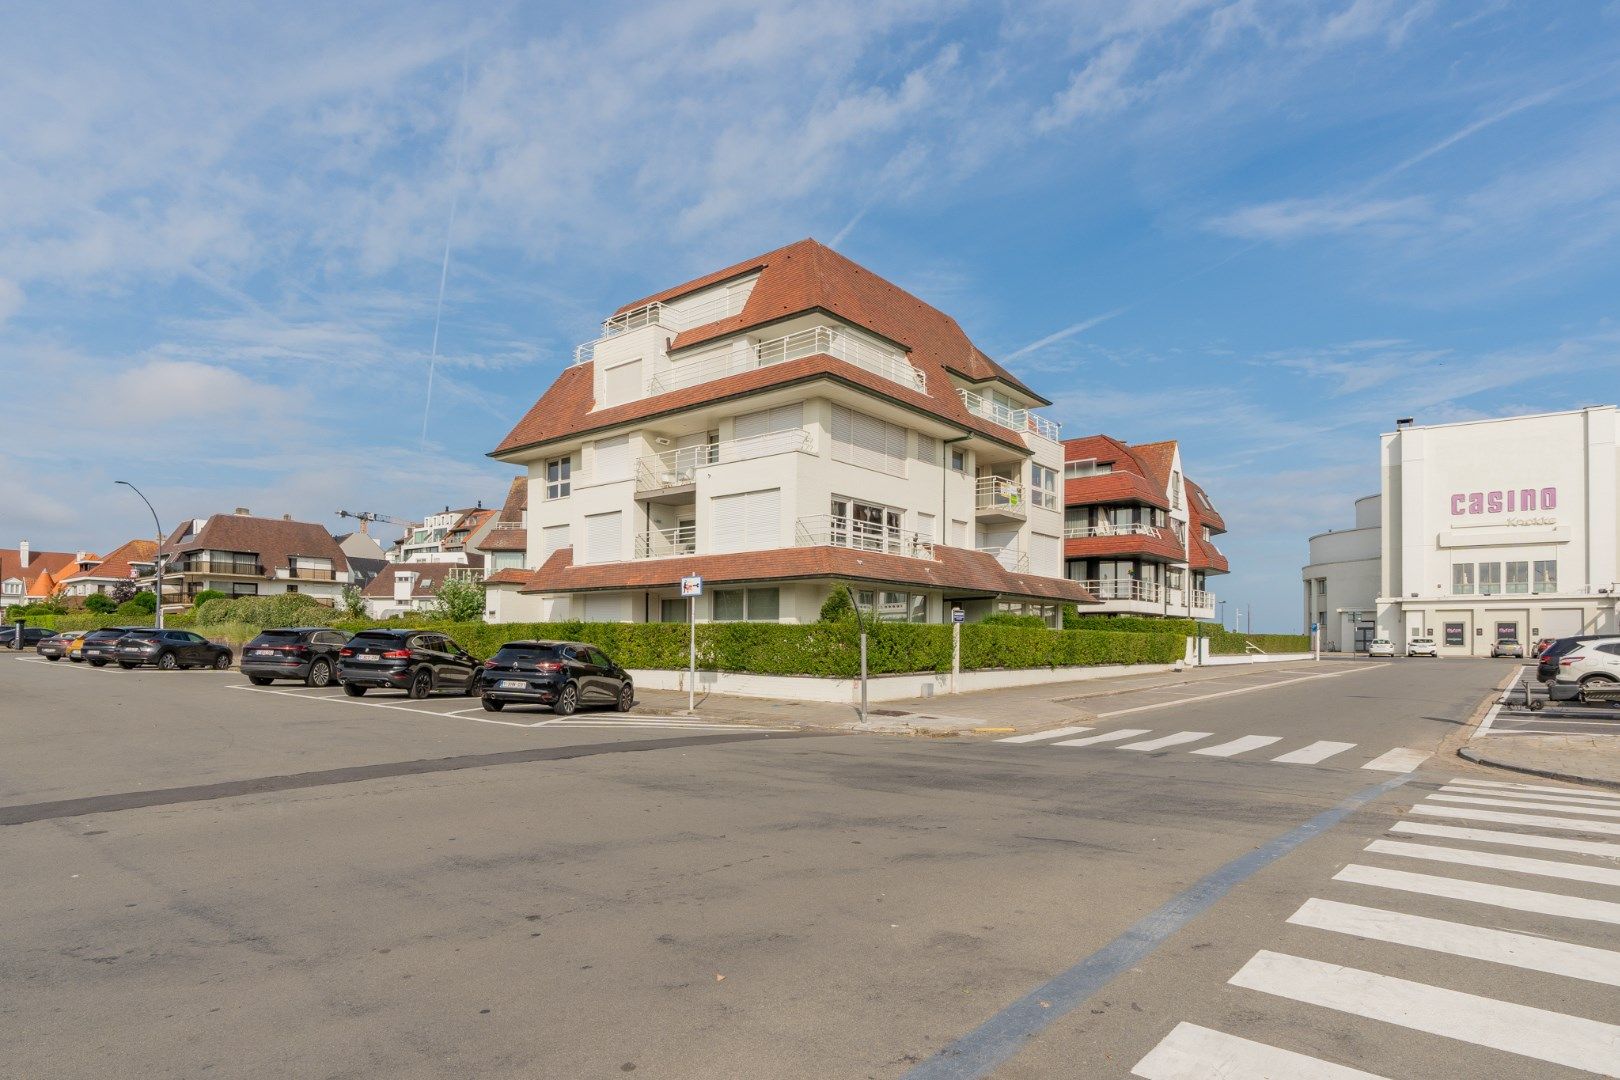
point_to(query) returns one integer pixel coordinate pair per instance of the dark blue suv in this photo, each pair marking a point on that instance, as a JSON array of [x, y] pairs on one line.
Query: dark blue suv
[[562, 674]]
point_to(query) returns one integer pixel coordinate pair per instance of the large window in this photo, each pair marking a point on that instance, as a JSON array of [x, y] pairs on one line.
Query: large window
[[1518, 577], [672, 609], [747, 605], [892, 606], [1043, 486], [559, 477], [866, 441], [1462, 579], [865, 525], [1073, 470], [927, 449], [1490, 578], [1546, 579]]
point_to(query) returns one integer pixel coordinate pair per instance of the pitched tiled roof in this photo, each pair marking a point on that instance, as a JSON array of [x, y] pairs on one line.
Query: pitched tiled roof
[[952, 569], [1200, 501], [505, 538], [1201, 553], [274, 540], [429, 576], [117, 564], [48, 563], [799, 278], [1158, 457], [1159, 544], [517, 501], [509, 576], [1132, 481]]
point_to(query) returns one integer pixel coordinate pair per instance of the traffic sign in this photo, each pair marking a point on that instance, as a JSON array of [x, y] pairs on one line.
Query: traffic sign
[[1313, 628], [958, 615], [692, 586]]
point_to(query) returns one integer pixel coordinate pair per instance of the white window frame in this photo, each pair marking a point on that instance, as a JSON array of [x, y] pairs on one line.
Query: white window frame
[[1043, 486], [749, 595], [559, 478]]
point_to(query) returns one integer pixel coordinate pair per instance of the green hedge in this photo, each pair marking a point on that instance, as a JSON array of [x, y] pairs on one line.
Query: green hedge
[[1228, 643]]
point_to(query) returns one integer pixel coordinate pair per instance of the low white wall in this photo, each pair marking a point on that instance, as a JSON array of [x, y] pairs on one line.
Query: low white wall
[[881, 687], [1259, 658]]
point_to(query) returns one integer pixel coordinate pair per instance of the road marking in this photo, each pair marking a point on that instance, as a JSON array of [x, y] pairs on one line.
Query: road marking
[[1523, 804], [1600, 875], [1191, 1052], [1039, 736], [344, 699], [1578, 800], [1571, 790], [1526, 951], [1512, 839], [1239, 746], [1398, 760], [1542, 903], [1107, 736], [1518, 1029], [1496, 706], [1503, 818], [1229, 693], [1314, 753], [1168, 740]]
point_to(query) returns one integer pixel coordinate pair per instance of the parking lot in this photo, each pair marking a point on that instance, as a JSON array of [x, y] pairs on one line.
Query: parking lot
[[1526, 709]]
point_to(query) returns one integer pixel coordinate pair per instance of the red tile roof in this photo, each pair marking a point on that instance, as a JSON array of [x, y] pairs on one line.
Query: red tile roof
[[48, 563], [274, 540], [509, 576], [118, 563], [429, 576], [508, 533], [1133, 479], [1199, 500], [1161, 544], [952, 569], [1158, 457], [1201, 553]]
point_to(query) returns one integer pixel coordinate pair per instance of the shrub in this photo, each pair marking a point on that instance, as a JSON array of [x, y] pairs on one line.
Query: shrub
[[142, 603], [1007, 618], [459, 601], [281, 609], [837, 608], [100, 604], [206, 595], [353, 604]]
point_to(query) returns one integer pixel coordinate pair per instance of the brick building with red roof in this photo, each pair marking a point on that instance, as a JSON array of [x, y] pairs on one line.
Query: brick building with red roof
[[779, 426]]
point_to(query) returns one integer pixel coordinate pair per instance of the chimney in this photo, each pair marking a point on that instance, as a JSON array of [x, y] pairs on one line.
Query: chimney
[[22, 553], [242, 511]]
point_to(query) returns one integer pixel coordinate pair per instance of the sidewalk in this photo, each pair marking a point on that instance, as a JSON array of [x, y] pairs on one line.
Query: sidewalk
[[1579, 759]]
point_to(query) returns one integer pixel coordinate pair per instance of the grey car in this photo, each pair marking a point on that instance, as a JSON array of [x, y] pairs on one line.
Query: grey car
[[1508, 647]]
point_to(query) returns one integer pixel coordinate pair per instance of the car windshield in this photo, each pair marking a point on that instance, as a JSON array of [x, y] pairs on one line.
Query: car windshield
[[528, 654], [374, 639], [269, 637]]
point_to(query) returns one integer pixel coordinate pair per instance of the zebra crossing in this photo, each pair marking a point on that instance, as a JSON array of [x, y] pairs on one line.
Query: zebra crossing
[[1246, 747], [1383, 909]]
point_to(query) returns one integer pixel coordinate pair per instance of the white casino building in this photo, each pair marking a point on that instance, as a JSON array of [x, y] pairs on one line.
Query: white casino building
[[1483, 530]]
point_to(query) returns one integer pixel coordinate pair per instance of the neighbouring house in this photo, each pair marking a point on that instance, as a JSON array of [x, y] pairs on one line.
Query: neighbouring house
[[1136, 531], [366, 556], [779, 427], [242, 555], [124, 565], [505, 543], [28, 576], [424, 542], [469, 530], [405, 587]]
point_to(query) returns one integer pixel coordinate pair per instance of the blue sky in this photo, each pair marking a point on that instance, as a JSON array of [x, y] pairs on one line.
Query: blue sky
[[1265, 229]]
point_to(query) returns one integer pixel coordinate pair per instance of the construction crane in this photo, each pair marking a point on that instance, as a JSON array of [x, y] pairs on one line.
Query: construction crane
[[366, 517]]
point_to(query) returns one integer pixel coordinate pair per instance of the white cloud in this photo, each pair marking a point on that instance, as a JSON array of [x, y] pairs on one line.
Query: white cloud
[[1097, 89], [1294, 219], [11, 299]]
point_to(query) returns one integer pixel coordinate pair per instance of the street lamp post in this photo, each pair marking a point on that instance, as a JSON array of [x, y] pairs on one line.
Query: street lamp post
[[1220, 613], [157, 556]]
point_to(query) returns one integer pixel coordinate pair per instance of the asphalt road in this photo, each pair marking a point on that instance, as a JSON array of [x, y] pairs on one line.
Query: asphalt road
[[201, 879]]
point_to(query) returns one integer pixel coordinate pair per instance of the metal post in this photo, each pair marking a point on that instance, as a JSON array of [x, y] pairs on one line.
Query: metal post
[[157, 558], [691, 654], [956, 653], [863, 674]]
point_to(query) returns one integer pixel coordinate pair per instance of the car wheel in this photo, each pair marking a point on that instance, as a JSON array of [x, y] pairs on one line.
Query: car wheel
[[627, 697], [98, 662], [53, 659], [491, 705], [76, 659], [320, 674], [421, 686], [259, 680], [354, 691], [567, 700], [166, 662], [222, 662], [472, 687], [127, 666]]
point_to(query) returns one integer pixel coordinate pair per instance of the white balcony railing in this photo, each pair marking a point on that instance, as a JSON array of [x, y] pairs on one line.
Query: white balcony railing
[[1124, 589], [1016, 419], [1010, 558], [472, 575], [1084, 532], [654, 314], [833, 531], [727, 358], [662, 543], [997, 493], [1202, 599], [673, 468]]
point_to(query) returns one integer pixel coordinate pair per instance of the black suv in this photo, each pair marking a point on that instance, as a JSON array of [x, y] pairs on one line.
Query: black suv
[[31, 636], [170, 649], [415, 661], [309, 653], [101, 646], [1547, 663], [562, 674]]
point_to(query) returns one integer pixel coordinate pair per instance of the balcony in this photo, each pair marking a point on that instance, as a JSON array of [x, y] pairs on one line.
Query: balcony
[[670, 476], [665, 543], [732, 358], [217, 568], [1085, 532], [1147, 592], [654, 314], [1010, 558], [830, 531], [995, 498], [1020, 420], [470, 575], [307, 573], [1203, 600]]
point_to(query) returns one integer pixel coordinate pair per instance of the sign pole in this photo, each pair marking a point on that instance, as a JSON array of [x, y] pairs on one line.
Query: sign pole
[[691, 654]]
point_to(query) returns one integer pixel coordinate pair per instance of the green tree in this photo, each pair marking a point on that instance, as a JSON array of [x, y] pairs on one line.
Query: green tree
[[353, 604], [460, 601], [142, 603], [100, 604]]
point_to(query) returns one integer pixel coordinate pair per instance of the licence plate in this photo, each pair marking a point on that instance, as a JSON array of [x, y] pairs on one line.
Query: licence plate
[[512, 684], [368, 656], [264, 652]]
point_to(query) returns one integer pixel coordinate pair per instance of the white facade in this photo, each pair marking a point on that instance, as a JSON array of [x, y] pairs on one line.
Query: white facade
[[1341, 582], [1488, 530]]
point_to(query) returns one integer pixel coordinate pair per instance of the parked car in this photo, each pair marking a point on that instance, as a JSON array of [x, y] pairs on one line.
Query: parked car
[[1547, 662], [56, 646], [1508, 647], [1422, 646], [171, 649], [1381, 647], [100, 647], [562, 674], [31, 636], [75, 647], [1541, 646], [1592, 663], [415, 661], [306, 653]]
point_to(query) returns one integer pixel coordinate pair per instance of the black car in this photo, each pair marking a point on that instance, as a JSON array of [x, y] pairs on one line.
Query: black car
[[170, 649], [31, 636], [1547, 663], [415, 661], [101, 646], [562, 674], [307, 653]]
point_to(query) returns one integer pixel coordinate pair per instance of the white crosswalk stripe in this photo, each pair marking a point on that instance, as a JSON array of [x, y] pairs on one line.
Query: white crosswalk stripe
[[1105, 737], [1595, 793], [1575, 800], [1041, 736], [1504, 896], [1398, 760], [1315, 753], [1191, 1052], [1524, 804], [1502, 817], [1490, 860], [1239, 746], [1511, 839], [1167, 740]]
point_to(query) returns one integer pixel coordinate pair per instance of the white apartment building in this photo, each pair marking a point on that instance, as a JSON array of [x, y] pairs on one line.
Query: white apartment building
[[1486, 530], [776, 427]]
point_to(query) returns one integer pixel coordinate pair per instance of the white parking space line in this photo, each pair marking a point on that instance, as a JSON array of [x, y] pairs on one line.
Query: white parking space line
[[1477, 892], [1604, 828], [1524, 804], [1518, 1029], [1168, 740], [341, 699], [1105, 737], [1398, 760], [1239, 690], [1509, 839], [1576, 800], [1191, 1052], [1526, 951], [1596, 793], [1315, 753], [1239, 746], [1041, 736], [1600, 875], [1496, 707]]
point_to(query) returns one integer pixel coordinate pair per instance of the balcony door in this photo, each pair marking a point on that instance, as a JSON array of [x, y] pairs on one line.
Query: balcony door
[[868, 526]]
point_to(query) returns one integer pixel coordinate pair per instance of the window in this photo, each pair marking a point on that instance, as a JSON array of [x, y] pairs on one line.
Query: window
[[1045, 555], [750, 521], [559, 474], [769, 421], [1462, 580], [613, 459], [927, 449], [1206, 534], [1172, 578], [1043, 486], [1175, 489], [604, 537], [1073, 470], [1490, 578], [925, 528], [959, 461], [1518, 577], [672, 609], [747, 605], [866, 441], [958, 533], [1546, 576], [623, 383], [1456, 634], [553, 538], [892, 606], [13, 587], [604, 607], [865, 525]]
